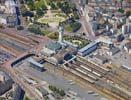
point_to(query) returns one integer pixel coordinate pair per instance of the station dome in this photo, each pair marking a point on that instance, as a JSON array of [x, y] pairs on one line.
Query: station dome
[[55, 46]]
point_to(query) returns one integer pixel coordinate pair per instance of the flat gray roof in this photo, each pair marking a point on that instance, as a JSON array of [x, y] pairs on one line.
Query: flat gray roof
[[31, 60], [88, 46]]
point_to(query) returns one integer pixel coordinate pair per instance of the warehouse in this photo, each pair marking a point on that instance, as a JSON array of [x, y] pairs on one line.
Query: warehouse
[[36, 65], [88, 49]]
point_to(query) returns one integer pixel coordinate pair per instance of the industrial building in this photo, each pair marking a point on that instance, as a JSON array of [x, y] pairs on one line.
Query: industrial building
[[88, 49], [5, 82], [34, 64]]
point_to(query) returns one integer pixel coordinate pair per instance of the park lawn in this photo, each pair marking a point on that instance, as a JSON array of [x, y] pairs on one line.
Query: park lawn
[[68, 28], [51, 20], [78, 41], [46, 32]]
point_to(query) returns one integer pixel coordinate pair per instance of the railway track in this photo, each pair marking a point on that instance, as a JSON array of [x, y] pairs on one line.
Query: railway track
[[107, 76], [18, 38], [91, 82]]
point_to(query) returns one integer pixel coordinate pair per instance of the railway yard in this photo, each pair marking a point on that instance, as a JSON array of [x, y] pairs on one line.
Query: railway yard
[[114, 82], [107, 80], [13, 45]]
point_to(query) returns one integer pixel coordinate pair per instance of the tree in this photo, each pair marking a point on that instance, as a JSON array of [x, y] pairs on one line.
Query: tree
[[62, 92], [34, 29], [39, 12], [128, 13], [53, 6]]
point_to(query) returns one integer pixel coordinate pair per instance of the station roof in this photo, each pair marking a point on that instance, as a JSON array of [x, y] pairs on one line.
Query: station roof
[[54, 46], [31, 60], [88, 46]]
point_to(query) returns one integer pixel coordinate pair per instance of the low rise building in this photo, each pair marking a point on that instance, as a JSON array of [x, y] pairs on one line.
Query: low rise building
[[41, 91], [88, 49], [34, 64], [7, 19], [18, 93], [113, 51], [127, 47], [100, 59]]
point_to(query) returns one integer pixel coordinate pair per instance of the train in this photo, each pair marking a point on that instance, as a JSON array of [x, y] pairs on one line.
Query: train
[[85, 73], [86, 68], [94, 72]]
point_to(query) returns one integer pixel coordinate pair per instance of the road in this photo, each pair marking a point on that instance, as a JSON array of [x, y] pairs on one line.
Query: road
[[85, 21], [16, 76]]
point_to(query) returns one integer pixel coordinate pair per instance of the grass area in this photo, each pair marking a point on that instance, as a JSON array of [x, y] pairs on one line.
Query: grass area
[[39, 4], [53, 35], [73, 39], [46, 32], [50, 19], [73, 27], [77, 40]]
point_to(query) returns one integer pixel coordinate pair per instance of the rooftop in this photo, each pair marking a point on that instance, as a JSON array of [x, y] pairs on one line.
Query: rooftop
[[54, 46], [31, 60], [100, 57], [88, 46], [128, 45]]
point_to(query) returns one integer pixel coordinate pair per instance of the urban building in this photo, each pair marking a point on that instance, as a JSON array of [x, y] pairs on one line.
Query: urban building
[[18, 93], [7, 19], [41, 91], [9, 13], [113, 50], [5, 82], [100, 59], [54, 46], [34, 64], [88, 49], [127, 47]]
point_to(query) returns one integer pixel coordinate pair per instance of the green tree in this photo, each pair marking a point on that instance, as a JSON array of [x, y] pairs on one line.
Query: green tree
[[128, 13], [62, 92]]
